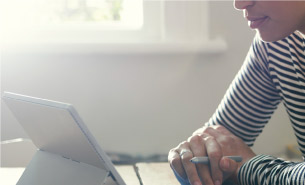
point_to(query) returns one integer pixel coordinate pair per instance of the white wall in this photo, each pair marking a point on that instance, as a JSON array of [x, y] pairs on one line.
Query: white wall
[[140, 104]]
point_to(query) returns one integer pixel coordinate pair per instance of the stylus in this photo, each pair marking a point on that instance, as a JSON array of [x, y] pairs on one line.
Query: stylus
[[205, 160]]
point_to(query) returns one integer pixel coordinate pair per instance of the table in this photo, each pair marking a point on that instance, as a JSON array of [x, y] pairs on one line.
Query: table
[[156, 173], [18, 152], [139, 174], [159, 173]]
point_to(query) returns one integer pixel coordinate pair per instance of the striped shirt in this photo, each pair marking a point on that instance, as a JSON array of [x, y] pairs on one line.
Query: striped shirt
[[272, 73]]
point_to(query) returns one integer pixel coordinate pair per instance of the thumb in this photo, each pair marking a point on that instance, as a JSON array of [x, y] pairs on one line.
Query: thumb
[[228, 165]]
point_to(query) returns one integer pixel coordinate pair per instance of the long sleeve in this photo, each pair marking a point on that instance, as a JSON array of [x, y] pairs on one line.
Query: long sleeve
[[272, 73], [264, 169], [251, 98]]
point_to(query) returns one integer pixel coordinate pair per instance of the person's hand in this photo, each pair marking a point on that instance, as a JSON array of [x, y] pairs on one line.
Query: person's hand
[[215, 142]]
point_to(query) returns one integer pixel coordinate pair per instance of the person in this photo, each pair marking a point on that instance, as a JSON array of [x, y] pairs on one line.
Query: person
[[273, 72]]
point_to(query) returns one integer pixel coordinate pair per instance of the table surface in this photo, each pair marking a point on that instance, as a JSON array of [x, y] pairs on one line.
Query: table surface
[[156, 173], [140, 174]]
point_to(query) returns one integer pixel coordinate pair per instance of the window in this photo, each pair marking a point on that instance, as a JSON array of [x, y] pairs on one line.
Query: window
[[107, 22], [101, 14], [57, 17]]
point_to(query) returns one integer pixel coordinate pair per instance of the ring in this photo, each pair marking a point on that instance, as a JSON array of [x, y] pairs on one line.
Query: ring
[[184, 151]]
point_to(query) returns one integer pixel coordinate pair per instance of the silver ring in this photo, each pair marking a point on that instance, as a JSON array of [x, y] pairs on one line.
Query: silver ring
[[184, 151]]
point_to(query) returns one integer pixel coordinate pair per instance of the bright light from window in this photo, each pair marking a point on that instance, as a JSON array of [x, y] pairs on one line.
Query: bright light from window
[[20, 17], [82, 11], [105, 14]]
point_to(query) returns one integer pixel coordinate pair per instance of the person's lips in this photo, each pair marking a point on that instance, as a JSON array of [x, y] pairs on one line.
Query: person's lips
[[256, 22]]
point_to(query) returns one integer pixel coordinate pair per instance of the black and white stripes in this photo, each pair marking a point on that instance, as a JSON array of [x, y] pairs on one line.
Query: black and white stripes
[[272, 73], [264, 169]]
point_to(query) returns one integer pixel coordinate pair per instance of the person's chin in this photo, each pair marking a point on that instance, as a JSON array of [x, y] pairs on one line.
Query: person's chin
[[271, 36]]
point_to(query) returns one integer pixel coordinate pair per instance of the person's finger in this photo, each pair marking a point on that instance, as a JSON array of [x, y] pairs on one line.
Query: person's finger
[[213, 132], [200, 130], [186, 155], [175, 162], [223, 137], [214, 152], [229, 167], [198, 149]]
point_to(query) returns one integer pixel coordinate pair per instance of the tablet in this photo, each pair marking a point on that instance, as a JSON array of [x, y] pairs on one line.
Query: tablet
[[57, 130]]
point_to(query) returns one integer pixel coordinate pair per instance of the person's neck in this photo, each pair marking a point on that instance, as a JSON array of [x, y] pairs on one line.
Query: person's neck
[[302, 31]]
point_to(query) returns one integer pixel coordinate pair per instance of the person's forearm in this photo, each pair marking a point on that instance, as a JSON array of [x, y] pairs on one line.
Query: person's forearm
[[264, 169]]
